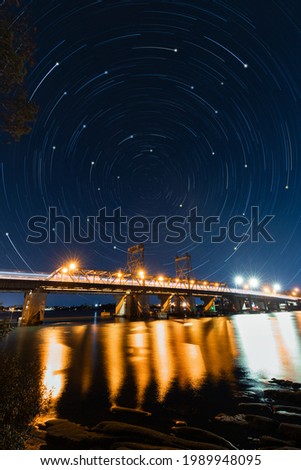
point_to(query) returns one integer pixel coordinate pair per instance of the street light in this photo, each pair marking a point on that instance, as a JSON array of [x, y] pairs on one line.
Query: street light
[[238, 281], [72, 266], [141, 274], [253, 282], [276, 287]]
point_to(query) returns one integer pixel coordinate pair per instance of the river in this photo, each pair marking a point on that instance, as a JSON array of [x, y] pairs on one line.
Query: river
[[179, 369]]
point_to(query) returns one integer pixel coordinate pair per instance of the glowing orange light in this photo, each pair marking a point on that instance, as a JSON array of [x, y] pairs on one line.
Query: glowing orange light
[[141, 274]]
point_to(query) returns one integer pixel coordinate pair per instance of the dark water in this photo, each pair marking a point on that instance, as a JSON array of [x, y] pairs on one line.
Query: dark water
[[180, 369]]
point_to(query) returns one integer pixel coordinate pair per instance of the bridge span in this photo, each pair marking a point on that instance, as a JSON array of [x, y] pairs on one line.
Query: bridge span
[[132, 292]]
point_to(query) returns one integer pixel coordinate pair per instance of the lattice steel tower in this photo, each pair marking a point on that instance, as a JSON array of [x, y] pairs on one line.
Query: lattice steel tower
[[183, 267], [135, 259]]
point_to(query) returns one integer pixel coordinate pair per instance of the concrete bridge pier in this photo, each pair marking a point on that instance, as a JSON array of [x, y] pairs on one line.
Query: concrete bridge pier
[[120, 309], [183, 304], [33, 308], [262, 305], [131, 305], [273, 306], [237, 303], [209, 303], [165, 301]]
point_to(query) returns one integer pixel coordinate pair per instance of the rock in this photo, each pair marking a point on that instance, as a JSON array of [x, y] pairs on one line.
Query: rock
[[289, 396], [126, 432], [55, 421], [292, 431], [130, 411], [246, 395], [138, 446], [287, 417], [180, 423], [290, 409], [238, 419], [67, 435], [198, 434], [282, 382], [255, 408], [262, 424], [279, 448], [269, 441]]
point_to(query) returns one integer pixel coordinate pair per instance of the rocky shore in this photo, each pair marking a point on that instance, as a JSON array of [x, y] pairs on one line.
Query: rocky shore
[[270, 419]]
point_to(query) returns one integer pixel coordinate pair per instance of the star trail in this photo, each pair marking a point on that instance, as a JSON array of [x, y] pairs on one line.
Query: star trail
[[158, 107]]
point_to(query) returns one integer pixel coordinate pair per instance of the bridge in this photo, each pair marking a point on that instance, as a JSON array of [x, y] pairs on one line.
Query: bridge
[[132, 288]]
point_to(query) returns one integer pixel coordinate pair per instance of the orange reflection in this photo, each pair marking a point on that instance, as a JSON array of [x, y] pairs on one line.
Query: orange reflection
[[163, 357], [139, 344], [55, 358], [114, 357]]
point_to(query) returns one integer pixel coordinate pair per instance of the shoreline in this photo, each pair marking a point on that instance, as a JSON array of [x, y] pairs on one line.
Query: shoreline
[[269, 420]]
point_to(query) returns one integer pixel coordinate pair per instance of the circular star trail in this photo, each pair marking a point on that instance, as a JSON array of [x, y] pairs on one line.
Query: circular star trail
[[159, 108]]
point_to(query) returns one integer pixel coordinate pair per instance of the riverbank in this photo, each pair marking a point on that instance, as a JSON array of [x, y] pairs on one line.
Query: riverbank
[[270, 419]]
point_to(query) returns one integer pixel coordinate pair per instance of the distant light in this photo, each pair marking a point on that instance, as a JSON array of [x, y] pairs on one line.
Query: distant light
[[296, 289], [246, 286], [276, 287], [160, 278], [65, 270], [141, 274], [119, 274], [96, 305], [238, 280], [254, 282], [184, 304], [175, 50], [246, 66], [72, 266]]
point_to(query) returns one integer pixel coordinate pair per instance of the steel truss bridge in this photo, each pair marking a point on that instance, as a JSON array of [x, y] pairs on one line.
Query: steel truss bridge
[[132, 288]]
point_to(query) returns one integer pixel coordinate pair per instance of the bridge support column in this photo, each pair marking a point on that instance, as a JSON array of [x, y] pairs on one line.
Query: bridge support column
[[165, 301], [33, 308], [120, 309], [183, 304], [131, 305], [209, 303], [238, 304], [273, 306], [137, 306], [191, 304]]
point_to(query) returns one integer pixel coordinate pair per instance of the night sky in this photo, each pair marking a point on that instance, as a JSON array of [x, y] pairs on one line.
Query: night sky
[[158, 107]]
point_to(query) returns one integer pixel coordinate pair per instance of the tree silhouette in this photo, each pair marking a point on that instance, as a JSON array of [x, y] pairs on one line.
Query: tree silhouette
[[16, 57]]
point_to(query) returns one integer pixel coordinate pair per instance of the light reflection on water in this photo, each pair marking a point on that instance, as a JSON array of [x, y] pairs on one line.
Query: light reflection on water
[[145, 364]]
